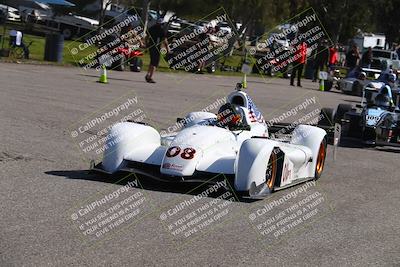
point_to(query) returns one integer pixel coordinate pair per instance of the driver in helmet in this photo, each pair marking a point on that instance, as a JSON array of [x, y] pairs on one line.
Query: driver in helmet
[[391, 81], [383, 100], [231, 116]]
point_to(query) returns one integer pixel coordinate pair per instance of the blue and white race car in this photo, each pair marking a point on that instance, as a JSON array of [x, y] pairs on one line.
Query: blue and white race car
[[376, 121]]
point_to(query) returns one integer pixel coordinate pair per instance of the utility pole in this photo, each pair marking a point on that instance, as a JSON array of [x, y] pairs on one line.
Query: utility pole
[[339, 31], [145, 14]]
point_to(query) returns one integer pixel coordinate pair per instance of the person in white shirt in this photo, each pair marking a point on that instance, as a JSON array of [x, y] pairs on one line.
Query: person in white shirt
[[16, 40]]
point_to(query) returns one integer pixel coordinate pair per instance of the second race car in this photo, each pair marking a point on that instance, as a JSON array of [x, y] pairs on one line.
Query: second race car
[[375, 121]]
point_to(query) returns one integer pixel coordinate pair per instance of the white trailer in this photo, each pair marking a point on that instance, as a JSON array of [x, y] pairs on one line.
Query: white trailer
[[365, 40]]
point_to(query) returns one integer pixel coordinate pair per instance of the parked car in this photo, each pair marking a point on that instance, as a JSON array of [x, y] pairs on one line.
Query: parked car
[[12, 14], [383, 59]]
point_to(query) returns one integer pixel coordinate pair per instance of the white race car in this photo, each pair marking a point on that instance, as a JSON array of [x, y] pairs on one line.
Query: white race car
[[235, 142]]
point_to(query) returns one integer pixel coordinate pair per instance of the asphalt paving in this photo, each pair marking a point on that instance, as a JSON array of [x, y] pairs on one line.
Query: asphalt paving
[[349, 217]]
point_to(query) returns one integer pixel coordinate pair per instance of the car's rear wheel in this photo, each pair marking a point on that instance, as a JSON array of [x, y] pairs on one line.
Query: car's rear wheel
[[328, 85], [320, 162], [270, 174]]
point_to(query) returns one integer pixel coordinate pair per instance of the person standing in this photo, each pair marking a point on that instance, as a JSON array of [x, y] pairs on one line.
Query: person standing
[[398, 51], [321, 59], [300, 60], [333, 57], [352, 58], [366, 58], [157, 37], [16, 40]]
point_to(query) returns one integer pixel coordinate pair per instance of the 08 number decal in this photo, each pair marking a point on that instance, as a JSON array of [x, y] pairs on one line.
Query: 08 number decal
[[173, 151], [187, 153]]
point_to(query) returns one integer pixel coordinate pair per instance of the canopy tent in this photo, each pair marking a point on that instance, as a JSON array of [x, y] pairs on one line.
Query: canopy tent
[[55, 2]]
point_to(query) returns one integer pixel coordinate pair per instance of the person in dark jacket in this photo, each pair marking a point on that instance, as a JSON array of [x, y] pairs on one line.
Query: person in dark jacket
[[366, 58], [157, 36], [300, 60], [321, 59], [352, 58]]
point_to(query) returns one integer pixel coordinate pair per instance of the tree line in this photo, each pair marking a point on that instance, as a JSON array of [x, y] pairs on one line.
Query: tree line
[[342, 19]]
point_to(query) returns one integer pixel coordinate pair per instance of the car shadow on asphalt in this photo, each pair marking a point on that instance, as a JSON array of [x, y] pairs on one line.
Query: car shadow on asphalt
[[389, 149], [351, 101], [351, 143], [356, 143], [306, 87], [146, 183]]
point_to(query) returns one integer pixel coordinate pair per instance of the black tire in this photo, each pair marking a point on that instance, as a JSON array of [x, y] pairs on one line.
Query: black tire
[[340, 111], [320, 161], [286, 72], [328, 85], [357, 88], [326, 117], [119, 65], [212, 67], [136, 64], [68, 33], [255, 69], [338, 86]]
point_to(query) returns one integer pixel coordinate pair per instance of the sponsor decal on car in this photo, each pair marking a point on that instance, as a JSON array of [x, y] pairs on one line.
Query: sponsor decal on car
[[287, 172], [172, 166]]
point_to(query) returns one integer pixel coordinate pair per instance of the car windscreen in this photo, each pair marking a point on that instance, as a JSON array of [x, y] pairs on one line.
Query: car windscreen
[[383, 54]]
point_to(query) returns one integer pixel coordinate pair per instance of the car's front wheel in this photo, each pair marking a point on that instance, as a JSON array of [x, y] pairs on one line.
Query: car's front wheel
[[326, 117], [270, 174], [270, 180], [341, 110], [320, 161]]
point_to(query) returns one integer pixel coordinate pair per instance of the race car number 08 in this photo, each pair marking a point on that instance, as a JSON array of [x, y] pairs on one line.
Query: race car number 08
[[187, 153]]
